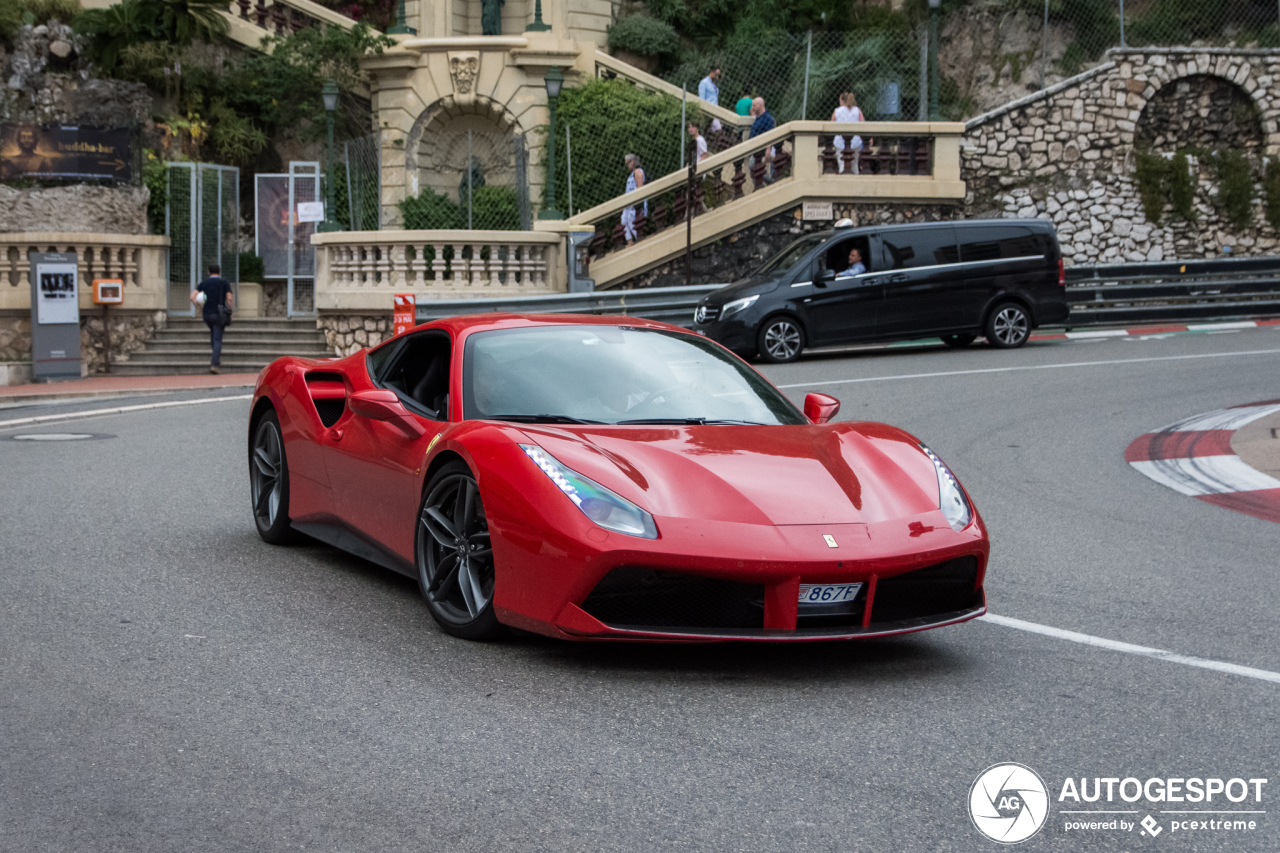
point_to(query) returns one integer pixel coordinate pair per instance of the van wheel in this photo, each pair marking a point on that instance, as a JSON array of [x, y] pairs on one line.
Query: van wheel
[[958, 341], [780, 340], [1008, 326]]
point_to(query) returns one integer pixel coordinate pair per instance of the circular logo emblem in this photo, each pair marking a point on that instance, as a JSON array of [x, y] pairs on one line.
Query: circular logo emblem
[[1008, 803]]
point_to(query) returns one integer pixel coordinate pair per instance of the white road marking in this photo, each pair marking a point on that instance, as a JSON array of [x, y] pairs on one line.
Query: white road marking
[[1129, 648], [118, 410], [1206, 475], [1214, 327], [1033, 367], [1101, 333], [1231, 419]]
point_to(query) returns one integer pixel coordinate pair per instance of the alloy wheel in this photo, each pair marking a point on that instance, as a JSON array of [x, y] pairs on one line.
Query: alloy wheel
[[782, 340], [267, 474], [454, 544], [1011, 326]]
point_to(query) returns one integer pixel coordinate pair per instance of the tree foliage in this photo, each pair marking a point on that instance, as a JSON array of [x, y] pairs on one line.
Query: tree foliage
[[645, 36], [176, 22]]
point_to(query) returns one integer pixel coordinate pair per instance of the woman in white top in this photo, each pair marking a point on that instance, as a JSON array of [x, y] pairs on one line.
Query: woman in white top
[[635, 180], [848, 112]]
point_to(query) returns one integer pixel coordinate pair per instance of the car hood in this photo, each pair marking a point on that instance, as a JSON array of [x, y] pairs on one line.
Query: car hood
[[748, 286], [779, 475]]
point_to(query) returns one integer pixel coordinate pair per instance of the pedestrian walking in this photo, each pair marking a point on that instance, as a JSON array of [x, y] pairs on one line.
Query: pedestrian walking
[[763, 123], [700, 144], [848, 112], [635, 180], [216, 302], [708, 90]]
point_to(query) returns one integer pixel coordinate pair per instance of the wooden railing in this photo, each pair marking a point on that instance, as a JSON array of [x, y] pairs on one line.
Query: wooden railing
[[363, 269], [138, 260]]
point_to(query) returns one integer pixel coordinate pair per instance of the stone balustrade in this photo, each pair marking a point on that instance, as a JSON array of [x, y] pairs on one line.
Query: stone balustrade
[[137, 259], [361, 270]]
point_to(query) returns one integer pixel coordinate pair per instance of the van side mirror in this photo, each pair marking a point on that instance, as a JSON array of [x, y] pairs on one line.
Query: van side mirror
[[824, 277], [820, 408], [382, 405]]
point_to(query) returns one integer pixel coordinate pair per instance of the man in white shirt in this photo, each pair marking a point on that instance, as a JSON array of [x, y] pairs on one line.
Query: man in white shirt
[[856, 267], [708, 90], [699, 142]]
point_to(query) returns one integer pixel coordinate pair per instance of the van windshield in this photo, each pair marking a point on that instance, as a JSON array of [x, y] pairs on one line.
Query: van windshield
[[790, 255]]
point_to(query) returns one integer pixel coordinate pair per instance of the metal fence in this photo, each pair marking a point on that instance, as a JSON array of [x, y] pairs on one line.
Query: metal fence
[[359, 184]]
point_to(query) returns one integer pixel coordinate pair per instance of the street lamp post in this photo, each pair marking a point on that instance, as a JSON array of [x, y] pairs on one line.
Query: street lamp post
[[554, 80], [538, 26], [934, 5], [401, 26], [329, 93]]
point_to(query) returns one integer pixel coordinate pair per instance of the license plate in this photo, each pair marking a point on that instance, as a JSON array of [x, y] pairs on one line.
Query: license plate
[[828, 593]]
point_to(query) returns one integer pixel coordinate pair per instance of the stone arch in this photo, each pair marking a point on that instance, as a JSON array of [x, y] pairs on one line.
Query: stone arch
[[1201, 111], [449, 111]]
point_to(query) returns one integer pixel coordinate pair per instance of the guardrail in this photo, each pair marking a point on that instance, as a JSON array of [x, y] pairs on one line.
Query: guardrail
[[1173, 290], [1112, 293]]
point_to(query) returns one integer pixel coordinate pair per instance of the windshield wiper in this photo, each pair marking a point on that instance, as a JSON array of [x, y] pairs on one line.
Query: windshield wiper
[[540, 419], [689, 421]]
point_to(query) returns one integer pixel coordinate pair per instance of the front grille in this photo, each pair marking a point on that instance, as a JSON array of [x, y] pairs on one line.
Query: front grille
[[706, 314], [932, 591], [635, 597]]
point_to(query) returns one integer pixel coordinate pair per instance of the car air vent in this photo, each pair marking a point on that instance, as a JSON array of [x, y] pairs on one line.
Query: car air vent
[[637, 597], [329, 396], [933, 591]]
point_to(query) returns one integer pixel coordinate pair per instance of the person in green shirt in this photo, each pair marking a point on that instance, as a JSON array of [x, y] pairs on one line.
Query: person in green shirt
[[743, 107]]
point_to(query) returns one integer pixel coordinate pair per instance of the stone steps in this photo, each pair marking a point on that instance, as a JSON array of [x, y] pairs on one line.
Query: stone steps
[[247, 347]]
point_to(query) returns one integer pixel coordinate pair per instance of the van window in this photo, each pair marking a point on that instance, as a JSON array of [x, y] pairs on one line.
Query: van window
[[1001, 242], [788, 257], [925, 247], [836, 257]]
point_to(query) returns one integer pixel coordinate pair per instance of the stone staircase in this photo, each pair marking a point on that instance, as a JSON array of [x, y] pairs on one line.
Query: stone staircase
[[182, 347]]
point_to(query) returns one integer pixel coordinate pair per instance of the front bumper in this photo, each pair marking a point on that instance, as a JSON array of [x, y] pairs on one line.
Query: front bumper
[[735, 334], [709, 581]]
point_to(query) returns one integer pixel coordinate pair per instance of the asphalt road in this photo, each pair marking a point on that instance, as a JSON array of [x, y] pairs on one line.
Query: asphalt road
[[170, 682]]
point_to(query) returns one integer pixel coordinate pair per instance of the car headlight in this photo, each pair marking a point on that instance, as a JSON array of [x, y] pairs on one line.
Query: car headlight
[[609, 510], [951, 499], [738, 305]]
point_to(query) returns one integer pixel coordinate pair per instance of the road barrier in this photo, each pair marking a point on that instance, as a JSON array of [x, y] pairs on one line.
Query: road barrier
[[1110, 293]]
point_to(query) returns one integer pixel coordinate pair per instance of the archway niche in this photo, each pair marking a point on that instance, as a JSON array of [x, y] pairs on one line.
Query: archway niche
[[1201, 113]]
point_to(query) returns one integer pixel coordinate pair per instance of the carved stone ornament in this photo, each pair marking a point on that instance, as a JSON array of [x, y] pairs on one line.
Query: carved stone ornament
[[464, 66]]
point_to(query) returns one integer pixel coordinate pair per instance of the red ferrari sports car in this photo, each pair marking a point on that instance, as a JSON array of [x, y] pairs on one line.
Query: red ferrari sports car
[[611, 478]]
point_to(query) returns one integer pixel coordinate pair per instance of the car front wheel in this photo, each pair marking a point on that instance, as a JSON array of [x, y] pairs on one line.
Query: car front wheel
[[455, 556], [780, 340], [1008, 326]]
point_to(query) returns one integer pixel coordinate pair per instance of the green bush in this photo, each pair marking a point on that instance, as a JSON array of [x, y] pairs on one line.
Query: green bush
[[251, 267], [645, 36], [155, 177], [1235, 188], [430, 210], [37, 12], [1182, 187], [1271, 191], [610, 118], [492, 209], [1152, 176]]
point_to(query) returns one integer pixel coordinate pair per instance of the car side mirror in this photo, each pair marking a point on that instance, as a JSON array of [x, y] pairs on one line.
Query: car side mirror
[[824, 277], [820, 408], [381, 405]]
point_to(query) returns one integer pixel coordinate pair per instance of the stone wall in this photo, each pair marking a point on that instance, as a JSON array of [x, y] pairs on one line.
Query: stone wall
[[1067, 153], [78, 208], [733, 257], [129, 333], [346, 334]]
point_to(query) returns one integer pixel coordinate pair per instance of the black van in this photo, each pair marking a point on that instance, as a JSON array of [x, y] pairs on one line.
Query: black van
[[996, 277]]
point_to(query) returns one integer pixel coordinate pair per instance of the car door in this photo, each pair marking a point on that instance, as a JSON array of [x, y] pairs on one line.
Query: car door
[[840, 310], [921, 279], [374, 465], [999, 259]]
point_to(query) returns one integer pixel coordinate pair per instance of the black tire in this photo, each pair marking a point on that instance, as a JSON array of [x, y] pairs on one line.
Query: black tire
[[269, 481], [780, 339], [455, 557], [1008, 326], [958, 341]]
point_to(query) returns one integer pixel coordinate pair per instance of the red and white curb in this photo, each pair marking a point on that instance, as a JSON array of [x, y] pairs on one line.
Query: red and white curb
[[1167, 329], [1194, 457]]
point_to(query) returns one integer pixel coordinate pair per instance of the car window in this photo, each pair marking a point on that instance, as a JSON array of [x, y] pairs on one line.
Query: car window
[[377, 359], [919, 247], [836, 257], [419, 374], [612, 374], [1000, 242], [791, 255]]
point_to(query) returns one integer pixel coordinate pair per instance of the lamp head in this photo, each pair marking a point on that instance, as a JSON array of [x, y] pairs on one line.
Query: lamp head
[[329, 93], [554, 80]]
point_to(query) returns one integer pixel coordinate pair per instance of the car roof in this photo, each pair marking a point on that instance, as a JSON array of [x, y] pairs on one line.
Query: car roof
[[1034, 224]]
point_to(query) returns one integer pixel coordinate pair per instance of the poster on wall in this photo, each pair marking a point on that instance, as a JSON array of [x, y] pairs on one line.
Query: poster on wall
[[58, 294], [65, 151]]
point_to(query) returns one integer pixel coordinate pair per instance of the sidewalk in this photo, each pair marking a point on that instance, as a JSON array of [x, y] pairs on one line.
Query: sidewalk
[[115, 386]]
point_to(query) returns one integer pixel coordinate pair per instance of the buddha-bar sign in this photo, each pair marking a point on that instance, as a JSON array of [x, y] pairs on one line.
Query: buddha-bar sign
[[65, 151]]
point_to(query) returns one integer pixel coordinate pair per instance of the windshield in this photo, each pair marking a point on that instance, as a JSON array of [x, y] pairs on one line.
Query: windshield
[[613, 375], [788, 257]]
